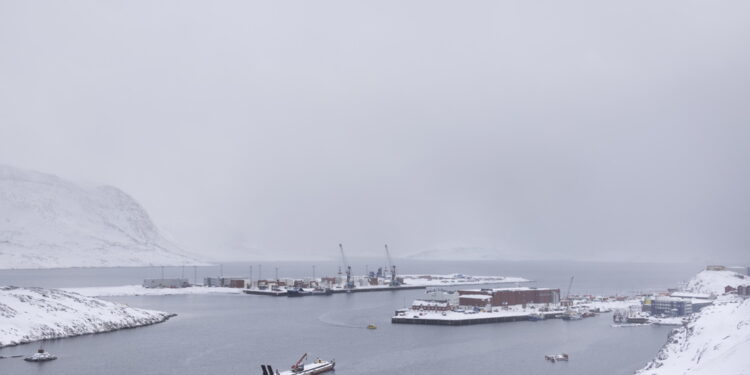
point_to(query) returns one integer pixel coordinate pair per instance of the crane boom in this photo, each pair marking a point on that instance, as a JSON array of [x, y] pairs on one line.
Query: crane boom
[[296, 366], [392, 267], [570, 285], [349, 284]]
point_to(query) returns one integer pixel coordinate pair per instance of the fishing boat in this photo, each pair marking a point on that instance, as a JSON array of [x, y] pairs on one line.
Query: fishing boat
[[571, 315], [318, 366], [40, 356], [536, 316], [297, 292], [556, 357]]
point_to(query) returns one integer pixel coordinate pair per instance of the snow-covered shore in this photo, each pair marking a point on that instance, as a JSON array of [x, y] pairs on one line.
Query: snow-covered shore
[[138, 290], [714, 341], [32, 314]]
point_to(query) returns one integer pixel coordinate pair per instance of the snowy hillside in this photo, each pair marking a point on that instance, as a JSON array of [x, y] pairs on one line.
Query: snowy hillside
[[48, 222], [715, 341], [713, 282], [31, 314]]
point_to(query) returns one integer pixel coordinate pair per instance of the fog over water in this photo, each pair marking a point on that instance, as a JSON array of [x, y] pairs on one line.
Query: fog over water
[[575, 130]]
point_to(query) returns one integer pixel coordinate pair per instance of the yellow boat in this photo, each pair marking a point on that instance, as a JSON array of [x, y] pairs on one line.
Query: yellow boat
[[372, 326]]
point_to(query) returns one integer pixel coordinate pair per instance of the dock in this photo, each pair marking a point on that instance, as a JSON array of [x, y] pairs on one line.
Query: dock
[[468, 319], [384, 288]]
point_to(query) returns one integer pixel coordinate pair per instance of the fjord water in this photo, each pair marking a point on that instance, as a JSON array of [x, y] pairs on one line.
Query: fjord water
[[234, 334]]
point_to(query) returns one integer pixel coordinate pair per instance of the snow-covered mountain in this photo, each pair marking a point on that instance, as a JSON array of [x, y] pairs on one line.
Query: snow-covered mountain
[[48, 222], [716, 340], [457, 253], [31, 314]]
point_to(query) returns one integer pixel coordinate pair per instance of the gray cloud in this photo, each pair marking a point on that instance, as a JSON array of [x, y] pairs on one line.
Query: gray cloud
[[547, 129]]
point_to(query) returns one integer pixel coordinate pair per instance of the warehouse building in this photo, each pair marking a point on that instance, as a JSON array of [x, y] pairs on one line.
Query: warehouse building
[[508, 296], [166, 283]]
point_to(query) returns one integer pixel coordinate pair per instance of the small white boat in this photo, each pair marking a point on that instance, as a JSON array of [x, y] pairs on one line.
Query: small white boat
[[40, 356], [556, 357]]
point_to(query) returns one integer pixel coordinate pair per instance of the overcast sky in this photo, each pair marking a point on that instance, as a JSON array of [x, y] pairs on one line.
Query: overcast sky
[[564, 129]]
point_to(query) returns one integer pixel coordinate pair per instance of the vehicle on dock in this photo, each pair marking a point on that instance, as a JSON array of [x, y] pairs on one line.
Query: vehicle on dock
[[40, 356], [318, 366], [557, 357]]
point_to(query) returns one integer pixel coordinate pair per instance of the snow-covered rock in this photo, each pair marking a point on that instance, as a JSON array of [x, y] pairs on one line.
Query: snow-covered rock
[[713, 282], [48, 222], [31, 314]]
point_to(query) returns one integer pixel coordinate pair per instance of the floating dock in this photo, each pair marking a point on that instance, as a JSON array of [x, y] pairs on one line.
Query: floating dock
[[468, 319]]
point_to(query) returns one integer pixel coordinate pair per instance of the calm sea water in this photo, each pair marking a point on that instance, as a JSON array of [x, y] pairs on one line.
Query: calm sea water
[[234, 334]]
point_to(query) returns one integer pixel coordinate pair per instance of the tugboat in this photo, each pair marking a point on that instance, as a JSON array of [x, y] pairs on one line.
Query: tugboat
[[318, 366], [40, 356], [556, 357]]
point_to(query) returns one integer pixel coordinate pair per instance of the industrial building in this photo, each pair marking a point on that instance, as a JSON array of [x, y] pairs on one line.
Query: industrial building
[[430, 305], [166, 283], [508, 296], [226, 282], [671, 306]]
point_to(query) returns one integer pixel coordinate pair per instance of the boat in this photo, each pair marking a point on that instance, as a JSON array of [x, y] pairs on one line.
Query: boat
[[636, 319], [571, 315], [556, 357], [536, 316], [40, 356], [297, 292], [372, 326], [322, 292], [318, 366]]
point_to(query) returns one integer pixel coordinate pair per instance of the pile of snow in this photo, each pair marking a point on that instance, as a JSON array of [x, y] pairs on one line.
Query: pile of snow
[[31, 314], [48, 222], [139, 290], [715, 341], [713, 282]]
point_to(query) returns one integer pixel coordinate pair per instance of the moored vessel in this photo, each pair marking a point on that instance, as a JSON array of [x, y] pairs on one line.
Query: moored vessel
[[318, 366], [40, 356]]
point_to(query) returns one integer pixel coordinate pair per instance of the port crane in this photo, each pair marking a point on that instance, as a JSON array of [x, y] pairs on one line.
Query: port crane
[[349, 283], [392, 267], [298, 366], [570, 285]]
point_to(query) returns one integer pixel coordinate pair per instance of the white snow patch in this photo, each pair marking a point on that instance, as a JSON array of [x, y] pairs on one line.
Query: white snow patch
[[31, 314]]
